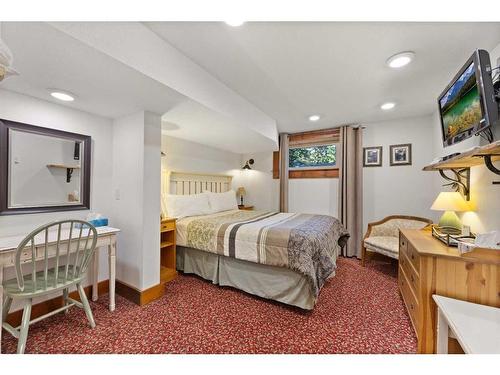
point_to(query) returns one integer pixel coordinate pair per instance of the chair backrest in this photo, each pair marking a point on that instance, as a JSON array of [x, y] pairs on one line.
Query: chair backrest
[[71, 245], [391, 225]]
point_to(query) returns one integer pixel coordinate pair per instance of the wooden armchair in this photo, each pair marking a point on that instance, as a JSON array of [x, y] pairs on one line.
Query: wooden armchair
[[383, 236]]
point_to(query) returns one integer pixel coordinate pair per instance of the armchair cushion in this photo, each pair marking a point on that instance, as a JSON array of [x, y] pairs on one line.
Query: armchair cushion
[[386, 245]]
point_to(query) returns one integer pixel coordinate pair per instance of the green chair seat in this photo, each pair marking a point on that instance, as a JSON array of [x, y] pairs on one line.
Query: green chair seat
[[44, 285]]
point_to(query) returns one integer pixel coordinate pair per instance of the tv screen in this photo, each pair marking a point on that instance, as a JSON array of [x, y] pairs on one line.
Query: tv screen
[[467, 105], [461, 105]]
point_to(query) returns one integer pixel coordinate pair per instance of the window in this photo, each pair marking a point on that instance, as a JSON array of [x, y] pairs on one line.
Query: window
[[313, 157], [312, 154]]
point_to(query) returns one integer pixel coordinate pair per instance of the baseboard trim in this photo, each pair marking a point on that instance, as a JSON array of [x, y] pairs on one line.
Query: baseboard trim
[[41, 308], [139, 297]]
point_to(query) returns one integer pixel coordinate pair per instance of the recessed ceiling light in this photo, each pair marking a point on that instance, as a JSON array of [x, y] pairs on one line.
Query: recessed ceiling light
[[62, 95], [314, 118], [235, 23], [387, 106], [401, 59]]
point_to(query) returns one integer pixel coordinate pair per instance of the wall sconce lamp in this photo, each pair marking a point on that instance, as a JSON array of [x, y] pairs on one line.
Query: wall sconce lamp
[[248, 163]]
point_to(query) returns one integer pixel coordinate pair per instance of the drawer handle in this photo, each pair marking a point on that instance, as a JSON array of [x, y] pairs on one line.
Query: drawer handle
[[402, 243], [411, 306], [412, 257], [412, 279]]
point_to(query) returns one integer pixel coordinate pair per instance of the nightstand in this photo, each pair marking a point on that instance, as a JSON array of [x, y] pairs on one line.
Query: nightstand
[[245, 208], [168, 269]]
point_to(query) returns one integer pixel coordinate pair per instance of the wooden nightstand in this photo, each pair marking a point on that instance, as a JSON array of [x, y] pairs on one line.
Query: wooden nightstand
[[245, 208], [168, 269]]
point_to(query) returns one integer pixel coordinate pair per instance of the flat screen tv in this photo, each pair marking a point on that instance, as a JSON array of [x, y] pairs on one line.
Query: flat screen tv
[[467, 105]]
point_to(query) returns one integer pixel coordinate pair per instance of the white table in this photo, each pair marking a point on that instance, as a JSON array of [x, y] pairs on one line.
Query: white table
[[106, 238], [476, 327]]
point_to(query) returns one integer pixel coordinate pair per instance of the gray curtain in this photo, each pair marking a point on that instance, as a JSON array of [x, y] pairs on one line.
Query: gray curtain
[[351, 187], [283, 172]]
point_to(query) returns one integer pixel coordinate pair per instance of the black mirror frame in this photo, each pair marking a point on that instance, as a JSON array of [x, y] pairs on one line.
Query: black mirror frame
[[5, 125]]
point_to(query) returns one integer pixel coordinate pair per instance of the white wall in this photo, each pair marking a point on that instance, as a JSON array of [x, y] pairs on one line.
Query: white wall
[[136, 198], [186, 156], [386, 190], [262, 191], [314, 195], [399, 189], [33, 111], [152, 200], [309, 195]]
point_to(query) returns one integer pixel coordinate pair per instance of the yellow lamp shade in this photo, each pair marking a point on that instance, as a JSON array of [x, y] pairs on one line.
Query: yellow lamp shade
[[241, 191], [450, 201]]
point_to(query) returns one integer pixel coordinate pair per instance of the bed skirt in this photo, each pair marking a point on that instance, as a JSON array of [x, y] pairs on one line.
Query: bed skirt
[[270, 282]]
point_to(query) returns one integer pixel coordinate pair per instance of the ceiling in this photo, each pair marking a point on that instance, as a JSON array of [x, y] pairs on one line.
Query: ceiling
[[195, 122], [286, 70], [294, 69], [50, 59], [47, 58]]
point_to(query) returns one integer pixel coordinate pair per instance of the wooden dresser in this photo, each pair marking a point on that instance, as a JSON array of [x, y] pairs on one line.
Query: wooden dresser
[[427, 267]]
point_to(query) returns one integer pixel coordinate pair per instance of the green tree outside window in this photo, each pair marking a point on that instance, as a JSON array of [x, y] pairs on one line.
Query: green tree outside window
[[313, 156]]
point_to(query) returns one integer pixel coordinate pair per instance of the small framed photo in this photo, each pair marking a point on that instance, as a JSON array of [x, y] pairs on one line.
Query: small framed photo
[[372, 156], [400, 154]]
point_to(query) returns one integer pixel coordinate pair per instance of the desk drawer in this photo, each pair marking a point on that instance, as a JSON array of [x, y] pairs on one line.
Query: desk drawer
[[167, 226], [411, 273], [409, 299]]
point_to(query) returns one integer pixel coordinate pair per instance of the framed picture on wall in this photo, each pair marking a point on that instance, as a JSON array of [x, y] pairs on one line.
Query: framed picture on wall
[[400, 154], [372, 156]]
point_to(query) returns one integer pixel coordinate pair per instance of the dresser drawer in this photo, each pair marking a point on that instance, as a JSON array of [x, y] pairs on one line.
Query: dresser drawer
[[411, 273], [167, 226], [409, 298], [413, 256], [403, 244]]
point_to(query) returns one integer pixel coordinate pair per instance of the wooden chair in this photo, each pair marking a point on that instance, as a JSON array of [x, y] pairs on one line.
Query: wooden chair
[[71, 261], [383, 236]]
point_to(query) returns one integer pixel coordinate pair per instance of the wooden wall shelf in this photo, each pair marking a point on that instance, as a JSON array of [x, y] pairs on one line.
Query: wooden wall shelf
[[69, 169], [469, 158], [64, 166], [460, 166]]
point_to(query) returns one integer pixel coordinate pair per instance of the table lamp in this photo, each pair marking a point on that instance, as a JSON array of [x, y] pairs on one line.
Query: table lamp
[[241, 193], [449, 202]]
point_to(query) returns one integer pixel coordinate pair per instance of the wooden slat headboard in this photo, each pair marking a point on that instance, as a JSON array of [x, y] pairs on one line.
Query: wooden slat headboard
[[194, 183]]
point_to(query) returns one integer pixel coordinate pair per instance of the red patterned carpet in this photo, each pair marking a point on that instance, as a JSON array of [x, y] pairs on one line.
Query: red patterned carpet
[[359, 311]]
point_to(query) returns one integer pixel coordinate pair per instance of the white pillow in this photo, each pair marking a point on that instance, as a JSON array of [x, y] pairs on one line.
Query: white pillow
[[222, 201], [180, 206]]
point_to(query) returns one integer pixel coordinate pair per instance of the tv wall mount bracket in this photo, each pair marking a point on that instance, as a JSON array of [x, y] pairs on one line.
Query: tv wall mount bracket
[[460, 181]]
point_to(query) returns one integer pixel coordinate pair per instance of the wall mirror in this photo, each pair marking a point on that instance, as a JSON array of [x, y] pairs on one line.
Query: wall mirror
[[43, 170]]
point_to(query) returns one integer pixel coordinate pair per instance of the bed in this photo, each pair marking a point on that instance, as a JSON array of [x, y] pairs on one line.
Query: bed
[[285, 257]]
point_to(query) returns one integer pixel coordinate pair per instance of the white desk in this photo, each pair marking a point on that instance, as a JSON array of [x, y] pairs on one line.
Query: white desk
[[476, 327], [106, 237]]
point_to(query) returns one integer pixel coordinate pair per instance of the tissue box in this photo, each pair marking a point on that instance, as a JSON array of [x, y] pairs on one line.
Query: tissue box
[[102, 222]]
